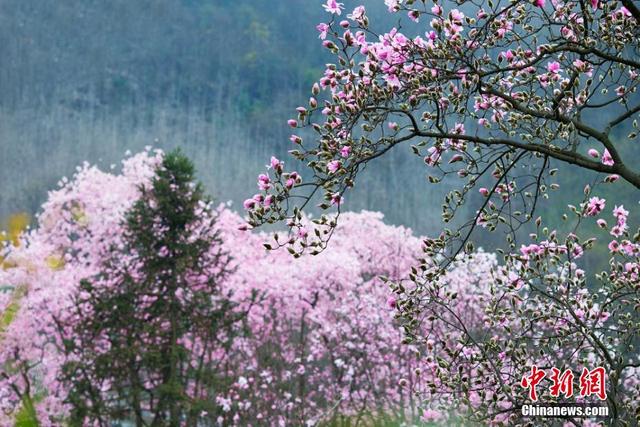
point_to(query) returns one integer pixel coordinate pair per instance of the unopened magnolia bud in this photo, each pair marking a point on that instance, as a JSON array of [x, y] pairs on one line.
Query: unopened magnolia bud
[[456, 158], [329, 45], [391, 302]]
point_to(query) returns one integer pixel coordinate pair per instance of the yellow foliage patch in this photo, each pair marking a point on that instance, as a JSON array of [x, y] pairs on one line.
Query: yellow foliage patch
[[15, 226]]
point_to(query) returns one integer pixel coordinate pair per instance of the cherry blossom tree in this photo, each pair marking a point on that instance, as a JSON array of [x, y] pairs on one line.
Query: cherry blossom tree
[[497, 98], [318, 341], [77, 225]]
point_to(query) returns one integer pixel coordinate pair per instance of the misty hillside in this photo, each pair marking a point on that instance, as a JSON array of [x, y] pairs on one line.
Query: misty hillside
[[90, 80]]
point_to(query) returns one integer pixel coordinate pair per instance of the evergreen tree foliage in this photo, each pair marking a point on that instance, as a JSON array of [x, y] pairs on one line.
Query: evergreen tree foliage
[[146, 334]]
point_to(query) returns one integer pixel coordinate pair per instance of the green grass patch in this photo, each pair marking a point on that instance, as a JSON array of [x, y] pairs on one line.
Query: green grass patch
[[27, 416]]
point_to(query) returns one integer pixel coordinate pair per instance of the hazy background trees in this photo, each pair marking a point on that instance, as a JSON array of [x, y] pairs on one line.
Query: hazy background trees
[[88, 80]]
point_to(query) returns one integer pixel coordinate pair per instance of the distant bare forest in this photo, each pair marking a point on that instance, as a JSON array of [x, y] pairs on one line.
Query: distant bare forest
[[79, 83]]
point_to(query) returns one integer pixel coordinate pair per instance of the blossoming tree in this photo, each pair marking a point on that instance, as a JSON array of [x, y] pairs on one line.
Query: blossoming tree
[[498, 96], [142, 339], [318, 344]]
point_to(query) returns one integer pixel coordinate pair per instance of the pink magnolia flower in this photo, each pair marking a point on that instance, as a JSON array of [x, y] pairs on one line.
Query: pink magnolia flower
[[577, 251], [345, 151], [540, 3], [268, 201], [456, 16], [508, 55], [332, 6], [606, 158], [249, 204], [392, 5], [630, 249], [433, 157], [264, 183], [595, 206], [620, 213], [553, 67], [275, 164], [505, 27], [515, 280], [593, 153], [337, 199], [583, 67], [618, 230], [357, 14], [393, 81], [529, 250], [614, 246], [333, 166], [544, 80], [323, 29], [431, 415]]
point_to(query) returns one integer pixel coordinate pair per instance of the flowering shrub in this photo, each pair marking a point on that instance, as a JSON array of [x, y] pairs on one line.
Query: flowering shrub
[[318, 342], [77, 224], [499, 96]]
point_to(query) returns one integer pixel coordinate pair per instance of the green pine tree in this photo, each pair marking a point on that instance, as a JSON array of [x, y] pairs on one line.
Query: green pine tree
[[140, 344]]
